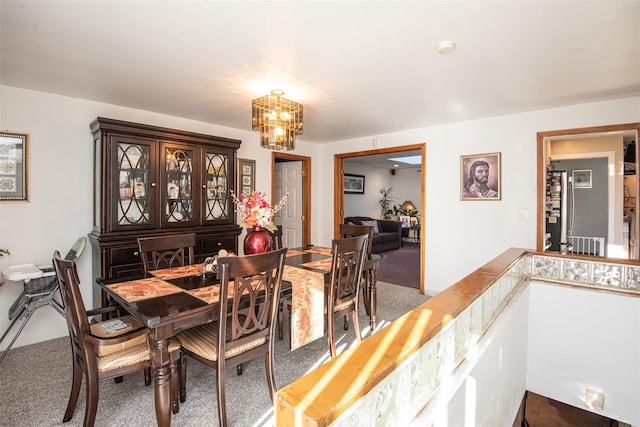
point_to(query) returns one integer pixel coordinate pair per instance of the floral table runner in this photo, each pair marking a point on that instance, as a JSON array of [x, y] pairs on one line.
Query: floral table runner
[[321, 251], [307, 317], [322, 264], [176, 272], [294, 252], [151, 287]]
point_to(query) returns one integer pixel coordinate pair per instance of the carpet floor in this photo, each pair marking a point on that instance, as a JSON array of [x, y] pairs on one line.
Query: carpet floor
[[401, 266], [35, 380]]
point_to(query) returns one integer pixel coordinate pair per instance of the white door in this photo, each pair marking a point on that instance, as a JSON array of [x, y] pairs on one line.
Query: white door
[[288, 178]]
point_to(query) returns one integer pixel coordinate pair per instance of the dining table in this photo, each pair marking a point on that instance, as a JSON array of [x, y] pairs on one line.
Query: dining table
[[174, 299]]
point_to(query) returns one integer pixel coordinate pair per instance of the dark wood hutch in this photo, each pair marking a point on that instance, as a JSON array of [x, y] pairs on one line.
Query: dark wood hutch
[[151, 181]]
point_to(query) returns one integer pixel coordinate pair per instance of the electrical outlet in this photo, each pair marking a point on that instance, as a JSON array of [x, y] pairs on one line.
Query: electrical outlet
[[594, 399]]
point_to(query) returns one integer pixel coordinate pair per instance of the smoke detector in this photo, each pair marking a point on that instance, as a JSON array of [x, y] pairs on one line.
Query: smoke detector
[[446, 46]]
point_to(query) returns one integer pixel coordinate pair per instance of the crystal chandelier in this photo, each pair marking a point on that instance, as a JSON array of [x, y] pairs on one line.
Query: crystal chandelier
[[278, 120]]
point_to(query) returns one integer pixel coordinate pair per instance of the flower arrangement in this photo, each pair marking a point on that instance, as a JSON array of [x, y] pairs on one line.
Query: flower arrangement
[[254, 209]]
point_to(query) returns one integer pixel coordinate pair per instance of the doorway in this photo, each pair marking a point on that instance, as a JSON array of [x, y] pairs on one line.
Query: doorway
[[598, 136], [338, 191], [302, 196]]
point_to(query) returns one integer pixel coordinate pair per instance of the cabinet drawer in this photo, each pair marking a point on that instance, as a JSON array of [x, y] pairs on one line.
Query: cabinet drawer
[[211, 246], [128, 271], [125, 255]]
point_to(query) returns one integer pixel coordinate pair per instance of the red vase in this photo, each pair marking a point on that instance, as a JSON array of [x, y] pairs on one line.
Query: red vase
[[257, 241]]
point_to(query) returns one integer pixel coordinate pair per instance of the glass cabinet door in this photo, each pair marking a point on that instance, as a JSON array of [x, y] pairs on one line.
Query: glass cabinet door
[[133, 207], [178, 195], [217, 174]]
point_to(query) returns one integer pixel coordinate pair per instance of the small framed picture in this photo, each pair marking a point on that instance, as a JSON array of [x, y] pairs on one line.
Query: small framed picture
[[581, 178], [13, 167], [353, 184], [405, 220], [480, 177], [247, 175]]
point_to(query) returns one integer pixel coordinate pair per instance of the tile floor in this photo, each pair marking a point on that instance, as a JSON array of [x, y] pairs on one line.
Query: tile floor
[[544, 412]]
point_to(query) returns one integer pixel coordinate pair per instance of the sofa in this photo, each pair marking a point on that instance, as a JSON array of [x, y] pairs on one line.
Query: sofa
[[388, 237]]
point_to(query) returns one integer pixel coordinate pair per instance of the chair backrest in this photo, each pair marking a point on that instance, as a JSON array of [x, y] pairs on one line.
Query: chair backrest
[[173, 250], [75, 312], [346, 270], [352, 230], [276, 238], [258, 278]]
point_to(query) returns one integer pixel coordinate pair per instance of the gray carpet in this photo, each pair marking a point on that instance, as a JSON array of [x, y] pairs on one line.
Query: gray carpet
[[35, 380], [401, 266]]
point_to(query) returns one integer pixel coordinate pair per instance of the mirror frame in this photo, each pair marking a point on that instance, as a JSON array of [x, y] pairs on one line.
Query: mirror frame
[[542, 175]]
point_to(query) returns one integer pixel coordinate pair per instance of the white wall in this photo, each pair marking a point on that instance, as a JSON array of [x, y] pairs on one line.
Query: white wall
[[582, 339], [488, 386], [60, 208], [366, 204], [460, 236], [463, 235]]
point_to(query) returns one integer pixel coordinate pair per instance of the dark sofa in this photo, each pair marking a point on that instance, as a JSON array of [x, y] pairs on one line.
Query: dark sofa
[[389, 236]]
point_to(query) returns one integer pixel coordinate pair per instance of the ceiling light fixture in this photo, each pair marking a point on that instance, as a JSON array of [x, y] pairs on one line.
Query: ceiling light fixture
[[446, 46], [277, 119]]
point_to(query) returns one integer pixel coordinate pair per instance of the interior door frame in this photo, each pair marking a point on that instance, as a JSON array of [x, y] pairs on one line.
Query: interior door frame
[[541, 136], [306, 189], [338, 191]]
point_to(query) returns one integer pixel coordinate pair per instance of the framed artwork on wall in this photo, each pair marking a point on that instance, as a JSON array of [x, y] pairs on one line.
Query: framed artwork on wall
[[480, 177], [581, 178], [353, 184], [14, 167], [246, 176]]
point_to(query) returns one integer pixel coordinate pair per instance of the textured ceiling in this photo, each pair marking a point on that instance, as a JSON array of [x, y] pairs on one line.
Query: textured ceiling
[[359, 68]]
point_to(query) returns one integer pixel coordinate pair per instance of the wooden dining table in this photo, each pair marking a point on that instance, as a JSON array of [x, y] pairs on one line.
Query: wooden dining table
[[179, 298]]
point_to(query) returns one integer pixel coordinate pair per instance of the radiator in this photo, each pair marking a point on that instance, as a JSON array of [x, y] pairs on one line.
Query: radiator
[[586, 245]]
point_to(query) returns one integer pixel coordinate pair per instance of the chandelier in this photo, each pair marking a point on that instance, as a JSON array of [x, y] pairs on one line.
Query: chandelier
[[277, 119]]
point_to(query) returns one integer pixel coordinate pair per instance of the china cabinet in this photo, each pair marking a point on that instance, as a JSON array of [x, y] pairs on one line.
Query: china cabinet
[[151, 181]]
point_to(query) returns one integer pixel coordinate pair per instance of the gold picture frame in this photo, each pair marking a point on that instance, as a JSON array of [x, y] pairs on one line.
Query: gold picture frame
[[14, 167], [246, 176], [480, 177]]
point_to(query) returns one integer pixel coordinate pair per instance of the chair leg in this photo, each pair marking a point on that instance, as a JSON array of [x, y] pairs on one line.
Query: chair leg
[[147, 377], [183, 378], [280, 320], [239, 369], [75, 390], [268, 366], [356, 323], [331, 335], [222, 408], [92, 385]]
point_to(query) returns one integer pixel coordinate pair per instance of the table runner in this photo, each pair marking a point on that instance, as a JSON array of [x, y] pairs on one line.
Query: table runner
[[294, 252], [321, 251], [176, 272], [136, 290], [307, 314], [322, 264]]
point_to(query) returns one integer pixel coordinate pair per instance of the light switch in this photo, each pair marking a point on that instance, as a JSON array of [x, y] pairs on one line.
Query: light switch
[[524, 213]]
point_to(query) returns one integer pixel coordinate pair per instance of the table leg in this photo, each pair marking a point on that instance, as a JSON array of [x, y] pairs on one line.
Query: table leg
[[162, 381], [373, 298]]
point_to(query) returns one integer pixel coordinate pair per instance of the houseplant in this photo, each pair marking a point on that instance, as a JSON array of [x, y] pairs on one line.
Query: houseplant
[[386, 201]]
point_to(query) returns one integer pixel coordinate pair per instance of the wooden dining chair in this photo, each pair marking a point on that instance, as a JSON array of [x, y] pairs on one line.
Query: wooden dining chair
[[369, 269], [276, 238], [348, 257], [245, 326], [107, 349], [168, 251]]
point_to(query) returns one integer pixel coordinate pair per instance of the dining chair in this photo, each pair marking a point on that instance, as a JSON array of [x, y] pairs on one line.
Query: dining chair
[[174, 250], [276, 238], [369, 269], [245, 326], [348, 257], [107, 349]]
